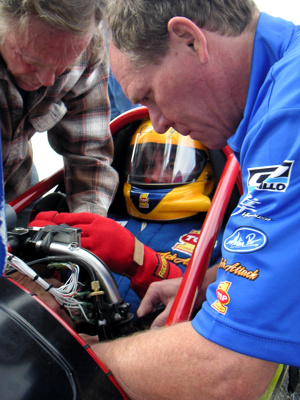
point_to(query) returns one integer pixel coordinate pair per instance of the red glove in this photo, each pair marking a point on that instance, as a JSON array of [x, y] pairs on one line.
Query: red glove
[[116, 247], [44, 218]]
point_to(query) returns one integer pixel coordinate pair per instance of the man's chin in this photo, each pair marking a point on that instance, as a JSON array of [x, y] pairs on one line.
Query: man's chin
[[196, 135], [28, 87], [208, 142]]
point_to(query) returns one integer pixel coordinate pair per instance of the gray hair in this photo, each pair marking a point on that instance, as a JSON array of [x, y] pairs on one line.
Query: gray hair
[[71, 16], [139, 27]]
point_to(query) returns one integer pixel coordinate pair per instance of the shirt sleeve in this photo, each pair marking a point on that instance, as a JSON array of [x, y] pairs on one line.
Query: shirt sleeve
[[84, 140], [253, 306]]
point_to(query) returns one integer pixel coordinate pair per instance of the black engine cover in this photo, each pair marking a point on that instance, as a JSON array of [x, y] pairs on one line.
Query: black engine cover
[[40, 359]]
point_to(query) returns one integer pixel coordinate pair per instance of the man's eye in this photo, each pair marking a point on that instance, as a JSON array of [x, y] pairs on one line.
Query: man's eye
[[145, 99], [24, 61], [19, 57]]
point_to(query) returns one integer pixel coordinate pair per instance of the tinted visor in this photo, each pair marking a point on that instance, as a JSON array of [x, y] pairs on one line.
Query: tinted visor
[[164, 164]]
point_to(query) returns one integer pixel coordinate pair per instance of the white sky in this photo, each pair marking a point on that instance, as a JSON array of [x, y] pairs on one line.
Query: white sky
[[287, 9], [48, 162]]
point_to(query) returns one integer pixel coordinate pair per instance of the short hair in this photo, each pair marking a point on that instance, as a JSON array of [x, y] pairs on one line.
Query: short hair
[[139, 27], [71, 16]]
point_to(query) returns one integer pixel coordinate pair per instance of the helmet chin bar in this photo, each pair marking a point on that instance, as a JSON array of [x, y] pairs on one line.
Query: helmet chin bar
[[88, 292]]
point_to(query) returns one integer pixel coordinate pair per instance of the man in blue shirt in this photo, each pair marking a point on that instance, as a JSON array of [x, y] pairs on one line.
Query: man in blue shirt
[[223, 73]]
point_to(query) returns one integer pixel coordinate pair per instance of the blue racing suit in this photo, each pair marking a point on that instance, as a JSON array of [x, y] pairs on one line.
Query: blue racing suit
[[174, 240]]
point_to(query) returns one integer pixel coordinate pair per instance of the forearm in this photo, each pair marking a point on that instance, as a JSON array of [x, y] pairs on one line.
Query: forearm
[[84, 140], [91, 188], [177, 363], [210, 277]]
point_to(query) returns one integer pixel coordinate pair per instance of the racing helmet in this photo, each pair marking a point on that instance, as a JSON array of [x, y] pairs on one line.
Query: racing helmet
[[168, 176]]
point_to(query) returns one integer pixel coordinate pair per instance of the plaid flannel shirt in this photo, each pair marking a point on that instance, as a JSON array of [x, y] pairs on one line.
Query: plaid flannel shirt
[[75, 112]]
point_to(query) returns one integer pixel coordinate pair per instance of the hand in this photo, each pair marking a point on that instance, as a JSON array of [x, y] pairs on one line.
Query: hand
[[89, 339], [116, 247], [166, 291], [44, 218], [159, 292]]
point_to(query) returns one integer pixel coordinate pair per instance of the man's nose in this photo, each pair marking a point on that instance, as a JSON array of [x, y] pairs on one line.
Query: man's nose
[[159, 122], [46, 77]]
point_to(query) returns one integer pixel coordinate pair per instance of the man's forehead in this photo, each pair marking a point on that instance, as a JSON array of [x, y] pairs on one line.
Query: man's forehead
[[131, 80], [37, 46]]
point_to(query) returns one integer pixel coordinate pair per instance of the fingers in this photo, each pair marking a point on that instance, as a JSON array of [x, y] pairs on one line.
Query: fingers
[[46, 215], [149, 301], [89, 339], [161, 319], [43, 218], [40, 223], [75, 218], [159, 292]]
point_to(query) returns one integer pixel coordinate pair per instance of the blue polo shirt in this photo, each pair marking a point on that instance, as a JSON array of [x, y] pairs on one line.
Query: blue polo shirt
[[253, 307]]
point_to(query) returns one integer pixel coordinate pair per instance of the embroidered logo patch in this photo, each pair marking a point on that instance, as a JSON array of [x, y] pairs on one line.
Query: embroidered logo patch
[[223, 297], [239, 270], [162, 268], [187, 242], [246, 240], [274, 178]]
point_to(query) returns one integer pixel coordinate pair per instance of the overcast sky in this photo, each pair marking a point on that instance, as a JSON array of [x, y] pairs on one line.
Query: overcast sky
[[48, 162], [288, 9]]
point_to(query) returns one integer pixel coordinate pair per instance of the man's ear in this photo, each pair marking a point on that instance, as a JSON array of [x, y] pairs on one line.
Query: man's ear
[[184, 30]]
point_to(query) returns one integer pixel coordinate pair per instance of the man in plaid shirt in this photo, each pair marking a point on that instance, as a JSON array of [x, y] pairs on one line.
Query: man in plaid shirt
[[53, 77]]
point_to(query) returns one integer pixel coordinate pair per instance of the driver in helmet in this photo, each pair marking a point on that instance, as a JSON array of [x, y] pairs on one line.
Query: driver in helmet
[[168, 176], [168, 184]]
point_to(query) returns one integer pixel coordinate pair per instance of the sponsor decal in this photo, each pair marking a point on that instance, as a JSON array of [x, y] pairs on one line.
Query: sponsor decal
[[274, 178], [144, 200], [248, 207], [246, 240], [187, 242], [174, 258], [223, 297], [162, 268], [239, 270]]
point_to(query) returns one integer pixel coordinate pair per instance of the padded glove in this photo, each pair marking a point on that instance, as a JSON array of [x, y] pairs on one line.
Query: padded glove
[[43, 218], [116, 247]]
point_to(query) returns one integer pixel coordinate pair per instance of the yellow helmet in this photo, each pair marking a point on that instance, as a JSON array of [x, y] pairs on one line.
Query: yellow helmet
[[168, 176]]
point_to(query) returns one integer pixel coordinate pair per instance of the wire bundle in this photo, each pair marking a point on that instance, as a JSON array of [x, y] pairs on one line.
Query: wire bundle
[[67, 295]]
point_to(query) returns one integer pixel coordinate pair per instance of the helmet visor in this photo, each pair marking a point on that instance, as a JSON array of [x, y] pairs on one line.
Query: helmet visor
[[164, 164]]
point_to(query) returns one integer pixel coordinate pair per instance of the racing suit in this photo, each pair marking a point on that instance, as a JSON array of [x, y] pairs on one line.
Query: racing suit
[[174, 240]]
